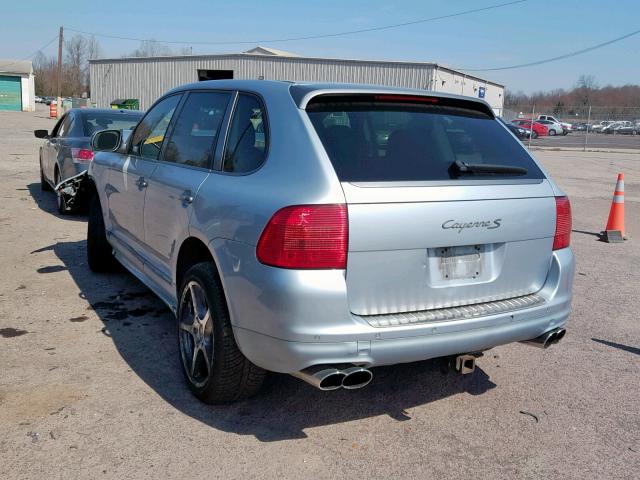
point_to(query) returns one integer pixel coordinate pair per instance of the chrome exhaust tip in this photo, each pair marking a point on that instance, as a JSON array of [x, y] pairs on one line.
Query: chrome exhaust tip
[[465, 364], [547, 339], [322, 377], [356, 377]]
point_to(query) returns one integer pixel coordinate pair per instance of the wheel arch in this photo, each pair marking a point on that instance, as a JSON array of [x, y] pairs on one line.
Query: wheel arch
[[192, 250]]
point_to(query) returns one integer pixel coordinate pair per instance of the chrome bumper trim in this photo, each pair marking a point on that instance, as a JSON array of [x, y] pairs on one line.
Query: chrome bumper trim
[[454, 313]]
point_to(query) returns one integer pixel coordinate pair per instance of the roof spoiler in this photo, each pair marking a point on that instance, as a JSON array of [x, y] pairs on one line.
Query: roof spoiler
[[306, 98]]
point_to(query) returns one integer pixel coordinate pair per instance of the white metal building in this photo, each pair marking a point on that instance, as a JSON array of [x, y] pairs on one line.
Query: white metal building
[[148, 78], [17, 86]]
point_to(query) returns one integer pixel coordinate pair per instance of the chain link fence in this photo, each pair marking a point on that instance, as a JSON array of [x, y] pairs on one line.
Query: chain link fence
[[586, 126]]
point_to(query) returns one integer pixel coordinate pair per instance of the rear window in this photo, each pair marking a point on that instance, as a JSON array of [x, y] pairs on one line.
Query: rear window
[[94, 122], [414, 139]]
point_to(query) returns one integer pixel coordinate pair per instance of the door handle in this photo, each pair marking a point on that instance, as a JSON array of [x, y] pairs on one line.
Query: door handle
[[142, 183], [186, 197]]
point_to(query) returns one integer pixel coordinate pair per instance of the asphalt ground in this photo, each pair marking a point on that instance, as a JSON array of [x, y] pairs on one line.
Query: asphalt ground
[[90, 385], [599, 141]]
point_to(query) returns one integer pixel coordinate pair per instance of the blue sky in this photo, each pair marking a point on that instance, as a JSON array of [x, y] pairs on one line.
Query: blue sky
[[515, 34]]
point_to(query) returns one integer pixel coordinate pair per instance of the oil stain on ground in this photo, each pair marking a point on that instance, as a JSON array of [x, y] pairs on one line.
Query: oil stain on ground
[[117, 307], [11, 332]]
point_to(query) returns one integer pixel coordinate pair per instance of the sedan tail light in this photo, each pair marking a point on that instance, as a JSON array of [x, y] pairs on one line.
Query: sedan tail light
[[81, 155], [306, 237], [562, 237]]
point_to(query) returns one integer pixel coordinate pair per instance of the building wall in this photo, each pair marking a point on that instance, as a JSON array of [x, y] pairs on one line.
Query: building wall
[[27, 85], [148, 78], [458, 83]]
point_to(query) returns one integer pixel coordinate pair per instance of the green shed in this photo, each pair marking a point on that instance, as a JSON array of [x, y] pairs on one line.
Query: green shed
[[10, 93]]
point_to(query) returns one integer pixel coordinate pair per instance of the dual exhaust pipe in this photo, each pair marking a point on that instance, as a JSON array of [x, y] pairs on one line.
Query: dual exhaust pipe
[[327, 378], [547, 339]]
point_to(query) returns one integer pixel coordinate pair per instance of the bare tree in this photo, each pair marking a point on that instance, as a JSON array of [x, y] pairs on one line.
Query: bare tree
[[75, 58], [78, 50], [587, 81], [584, 89], [151, 48]]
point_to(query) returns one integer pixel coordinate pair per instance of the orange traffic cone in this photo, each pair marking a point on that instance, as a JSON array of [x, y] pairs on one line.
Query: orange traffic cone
[[614, 232]]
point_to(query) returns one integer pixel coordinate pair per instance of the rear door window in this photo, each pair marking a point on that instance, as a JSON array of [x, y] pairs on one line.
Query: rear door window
[[419, 139], [196, 129]]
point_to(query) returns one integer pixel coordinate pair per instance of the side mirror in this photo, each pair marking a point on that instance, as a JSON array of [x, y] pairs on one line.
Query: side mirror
[[41, 133], [106, 141], [124, 141]]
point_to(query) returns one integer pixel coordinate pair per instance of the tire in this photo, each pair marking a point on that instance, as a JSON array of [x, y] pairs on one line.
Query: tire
[[213, 365], [99, 253], [534, 135], [552, 132], [61, 203], [44, 185]]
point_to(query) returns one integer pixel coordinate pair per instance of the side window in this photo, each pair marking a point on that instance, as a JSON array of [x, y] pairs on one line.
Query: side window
[[247, 141], [67, 125], [148, 137], [196, 129], [58, 128]]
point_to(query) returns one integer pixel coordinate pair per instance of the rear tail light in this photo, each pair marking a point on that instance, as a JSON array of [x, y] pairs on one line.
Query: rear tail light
[[81, 155], [306, 237], [562, 238]]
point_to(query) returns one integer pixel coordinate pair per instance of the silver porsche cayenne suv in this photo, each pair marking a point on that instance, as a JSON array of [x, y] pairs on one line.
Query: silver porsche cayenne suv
[[323, 229]]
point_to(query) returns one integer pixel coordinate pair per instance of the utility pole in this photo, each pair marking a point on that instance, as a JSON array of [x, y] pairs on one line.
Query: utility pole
[[586, 133], [533, 114], [59, 90]]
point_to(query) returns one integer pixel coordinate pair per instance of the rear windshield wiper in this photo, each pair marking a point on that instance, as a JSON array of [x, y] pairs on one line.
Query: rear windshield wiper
[[463, 168]]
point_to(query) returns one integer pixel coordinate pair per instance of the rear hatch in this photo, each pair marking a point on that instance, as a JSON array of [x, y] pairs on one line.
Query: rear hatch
[[445, 206]]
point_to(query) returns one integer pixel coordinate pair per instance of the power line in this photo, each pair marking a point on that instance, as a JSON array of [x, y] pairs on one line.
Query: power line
[[33, 54], [553, 59], [309, 37]]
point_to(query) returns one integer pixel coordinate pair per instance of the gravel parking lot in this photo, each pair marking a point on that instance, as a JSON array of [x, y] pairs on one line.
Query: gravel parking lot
[[90, 385]]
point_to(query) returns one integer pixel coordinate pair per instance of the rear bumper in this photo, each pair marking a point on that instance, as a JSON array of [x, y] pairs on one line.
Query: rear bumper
[[280, 355], [285, 320]]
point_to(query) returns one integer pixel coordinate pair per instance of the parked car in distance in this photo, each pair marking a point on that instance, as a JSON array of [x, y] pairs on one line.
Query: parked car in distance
[[553, 128], [581, 127], [269, 248], [520, 132], [66, 150], [568, 126], [598, 127], [39, 99], [625, 128], [540, 129], [609, 129]]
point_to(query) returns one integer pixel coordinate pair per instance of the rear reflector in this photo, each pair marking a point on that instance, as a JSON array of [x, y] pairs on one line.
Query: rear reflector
[[562, 238], [81, 155], [306, 237]]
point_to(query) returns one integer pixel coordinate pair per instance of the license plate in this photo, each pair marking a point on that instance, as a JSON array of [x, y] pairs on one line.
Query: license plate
[[458, 263]]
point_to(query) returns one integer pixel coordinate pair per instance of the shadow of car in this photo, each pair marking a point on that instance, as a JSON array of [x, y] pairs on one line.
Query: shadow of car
[[143, 330]]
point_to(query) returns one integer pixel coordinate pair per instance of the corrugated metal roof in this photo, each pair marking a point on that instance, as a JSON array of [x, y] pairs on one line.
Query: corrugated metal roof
[[16, 66], [260, 50], [295, 58]]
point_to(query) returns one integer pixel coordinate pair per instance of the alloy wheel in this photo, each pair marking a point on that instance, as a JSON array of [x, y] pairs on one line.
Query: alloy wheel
[[196, 334]]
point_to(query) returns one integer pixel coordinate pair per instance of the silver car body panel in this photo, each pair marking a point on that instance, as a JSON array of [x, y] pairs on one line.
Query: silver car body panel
[[285, 320]]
